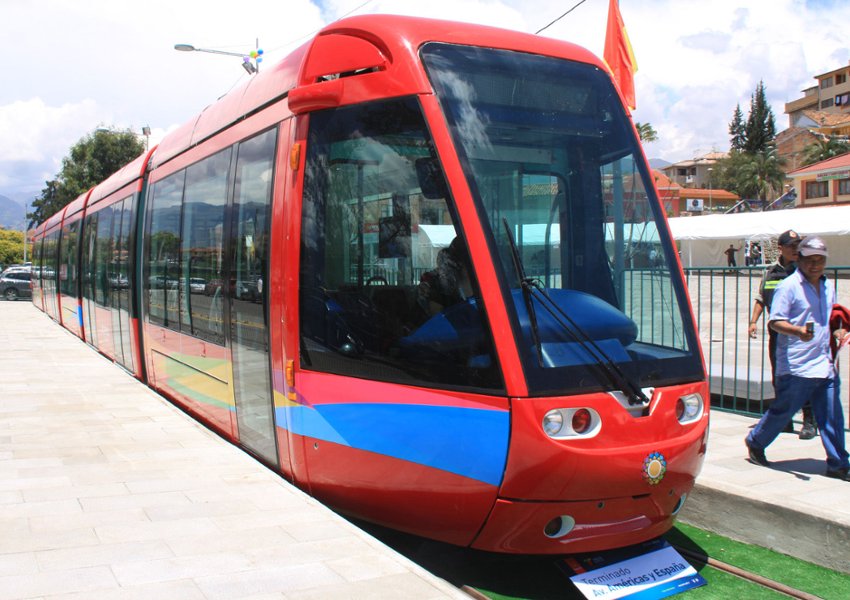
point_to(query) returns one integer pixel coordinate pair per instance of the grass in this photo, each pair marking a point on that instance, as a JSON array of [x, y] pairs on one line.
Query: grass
[[799, 574], [513, 577]]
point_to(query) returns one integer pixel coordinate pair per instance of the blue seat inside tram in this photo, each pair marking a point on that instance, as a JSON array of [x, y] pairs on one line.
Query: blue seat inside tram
[[458, 329]]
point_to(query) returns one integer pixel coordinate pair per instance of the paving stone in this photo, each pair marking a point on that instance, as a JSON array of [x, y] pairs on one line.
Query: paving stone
[[109, 491]]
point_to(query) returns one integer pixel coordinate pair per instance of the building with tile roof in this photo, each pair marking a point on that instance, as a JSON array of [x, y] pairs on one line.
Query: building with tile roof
[[831, 95], [824, 183], [695, 172], [683, 201]]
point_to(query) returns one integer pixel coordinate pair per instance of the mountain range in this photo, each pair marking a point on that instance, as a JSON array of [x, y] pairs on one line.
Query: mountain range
[[12, 214]]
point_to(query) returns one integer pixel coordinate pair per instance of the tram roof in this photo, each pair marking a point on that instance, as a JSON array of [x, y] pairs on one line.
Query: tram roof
[[386, 43], [130, 172]]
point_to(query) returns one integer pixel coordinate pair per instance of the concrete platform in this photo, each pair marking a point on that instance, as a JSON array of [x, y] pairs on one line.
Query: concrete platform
[[108, 491], [791, 507]]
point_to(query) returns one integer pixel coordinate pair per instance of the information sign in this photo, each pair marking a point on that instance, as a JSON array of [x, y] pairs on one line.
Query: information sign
[[645, 572]]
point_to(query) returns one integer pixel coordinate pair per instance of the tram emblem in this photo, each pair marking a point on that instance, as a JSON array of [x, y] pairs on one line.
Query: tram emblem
[[654, 468]]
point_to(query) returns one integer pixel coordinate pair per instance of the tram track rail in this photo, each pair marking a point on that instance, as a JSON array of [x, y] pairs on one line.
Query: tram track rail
[[483, 576], [746, 575], [699, 559]]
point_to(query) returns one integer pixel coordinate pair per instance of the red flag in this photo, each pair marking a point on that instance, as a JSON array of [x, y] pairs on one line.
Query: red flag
[[618, 54]]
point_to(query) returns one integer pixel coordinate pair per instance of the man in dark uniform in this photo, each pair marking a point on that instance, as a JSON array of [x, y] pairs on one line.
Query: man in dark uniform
[[730, 255], [788, 242]]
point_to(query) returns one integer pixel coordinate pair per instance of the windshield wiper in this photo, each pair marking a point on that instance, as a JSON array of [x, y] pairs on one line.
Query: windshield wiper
[[526, 285], [603, 362]]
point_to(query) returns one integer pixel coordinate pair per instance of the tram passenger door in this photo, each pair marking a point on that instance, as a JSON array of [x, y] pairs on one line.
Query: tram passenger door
[[249, 331]]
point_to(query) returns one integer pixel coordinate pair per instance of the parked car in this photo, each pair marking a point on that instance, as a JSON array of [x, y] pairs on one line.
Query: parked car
[[16, 283], [197, 285]]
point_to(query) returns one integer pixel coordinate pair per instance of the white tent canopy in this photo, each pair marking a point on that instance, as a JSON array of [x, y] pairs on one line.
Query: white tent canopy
[[703, 239]]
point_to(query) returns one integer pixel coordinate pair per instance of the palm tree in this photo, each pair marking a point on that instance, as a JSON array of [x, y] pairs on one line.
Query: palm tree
[[824, 148], [760, 175], [646, 133]]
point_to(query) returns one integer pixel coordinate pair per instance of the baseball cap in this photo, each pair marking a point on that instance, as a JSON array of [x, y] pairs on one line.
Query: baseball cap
[[811, 246], [789, 237]]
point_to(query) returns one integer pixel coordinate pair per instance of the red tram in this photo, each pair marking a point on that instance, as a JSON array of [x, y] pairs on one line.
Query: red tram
[[420, 268]]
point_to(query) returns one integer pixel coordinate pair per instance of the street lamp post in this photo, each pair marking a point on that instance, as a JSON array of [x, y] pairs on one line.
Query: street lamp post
[[250, 67], [26, 230]]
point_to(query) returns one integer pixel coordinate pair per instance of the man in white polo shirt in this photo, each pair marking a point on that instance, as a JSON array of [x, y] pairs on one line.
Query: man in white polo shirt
[[804, 366]]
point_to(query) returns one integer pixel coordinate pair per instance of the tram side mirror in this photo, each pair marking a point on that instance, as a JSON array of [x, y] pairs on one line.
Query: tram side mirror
[[430, 178]]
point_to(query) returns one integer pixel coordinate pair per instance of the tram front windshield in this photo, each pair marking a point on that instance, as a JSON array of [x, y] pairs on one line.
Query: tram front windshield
[[553, 163]]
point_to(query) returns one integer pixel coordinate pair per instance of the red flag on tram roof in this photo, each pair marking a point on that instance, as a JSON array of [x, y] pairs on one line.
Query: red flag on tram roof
[[618, 54]]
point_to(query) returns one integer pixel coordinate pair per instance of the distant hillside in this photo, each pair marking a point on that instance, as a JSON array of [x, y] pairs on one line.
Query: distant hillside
[[11, 214], [659, 163]]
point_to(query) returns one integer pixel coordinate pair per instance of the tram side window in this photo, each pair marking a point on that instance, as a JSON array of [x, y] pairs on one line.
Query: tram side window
[[119, 254], [376, 221], [112, 277], [163, 251], [202, 247], [251, 212], [88, 270], [48, 273], [68, 271], [103, 256]]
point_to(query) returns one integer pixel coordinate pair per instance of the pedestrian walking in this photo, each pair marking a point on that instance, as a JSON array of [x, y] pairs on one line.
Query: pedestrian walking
[[805, 367], [784, 266]]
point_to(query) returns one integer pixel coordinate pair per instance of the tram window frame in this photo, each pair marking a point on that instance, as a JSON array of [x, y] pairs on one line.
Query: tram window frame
[[103, 250], [575, 124], [168, 279], [167, 250], [207, 184], [88, 259], [362, 312], [124, 292], [68, 258]]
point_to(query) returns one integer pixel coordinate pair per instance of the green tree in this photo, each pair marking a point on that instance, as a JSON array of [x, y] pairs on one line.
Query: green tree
[[737, 130], [11, 247], [646, 133], [91, 160], [752, 175], [823, 149], [760, 129]]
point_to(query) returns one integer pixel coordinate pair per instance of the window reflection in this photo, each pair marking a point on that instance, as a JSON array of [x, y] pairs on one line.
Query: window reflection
[[387, 290]]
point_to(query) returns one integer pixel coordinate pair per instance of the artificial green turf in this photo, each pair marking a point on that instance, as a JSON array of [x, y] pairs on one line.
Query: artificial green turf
[[804, 576], [799, 574], [517, 577]]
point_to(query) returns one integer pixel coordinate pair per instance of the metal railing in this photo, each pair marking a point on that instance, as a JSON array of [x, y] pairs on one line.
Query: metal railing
[[738, 365]]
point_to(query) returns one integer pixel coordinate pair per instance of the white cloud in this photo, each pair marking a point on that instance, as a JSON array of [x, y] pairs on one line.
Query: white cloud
[[34, 137], [71, 66], [31, 130]]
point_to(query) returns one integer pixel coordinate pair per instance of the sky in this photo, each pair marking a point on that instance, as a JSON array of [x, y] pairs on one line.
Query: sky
[[69, 67]]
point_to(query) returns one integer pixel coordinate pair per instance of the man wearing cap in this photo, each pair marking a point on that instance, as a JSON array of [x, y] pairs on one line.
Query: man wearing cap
[[800, 312], [778, 271]]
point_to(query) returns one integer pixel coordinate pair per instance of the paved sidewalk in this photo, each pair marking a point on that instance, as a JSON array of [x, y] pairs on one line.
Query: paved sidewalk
[[108, 491], [791, 507]]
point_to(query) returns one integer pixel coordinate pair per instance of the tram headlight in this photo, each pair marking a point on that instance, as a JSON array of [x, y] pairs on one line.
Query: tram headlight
[[553, 422], [562, 423], [582, 420], [689, 408]]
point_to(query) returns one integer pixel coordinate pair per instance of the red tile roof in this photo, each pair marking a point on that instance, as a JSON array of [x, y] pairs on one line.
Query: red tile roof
[[826, 119], [842, 161]]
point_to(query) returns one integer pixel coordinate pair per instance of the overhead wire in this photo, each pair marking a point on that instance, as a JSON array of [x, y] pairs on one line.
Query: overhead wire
[[296, 40], [561, 17]]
